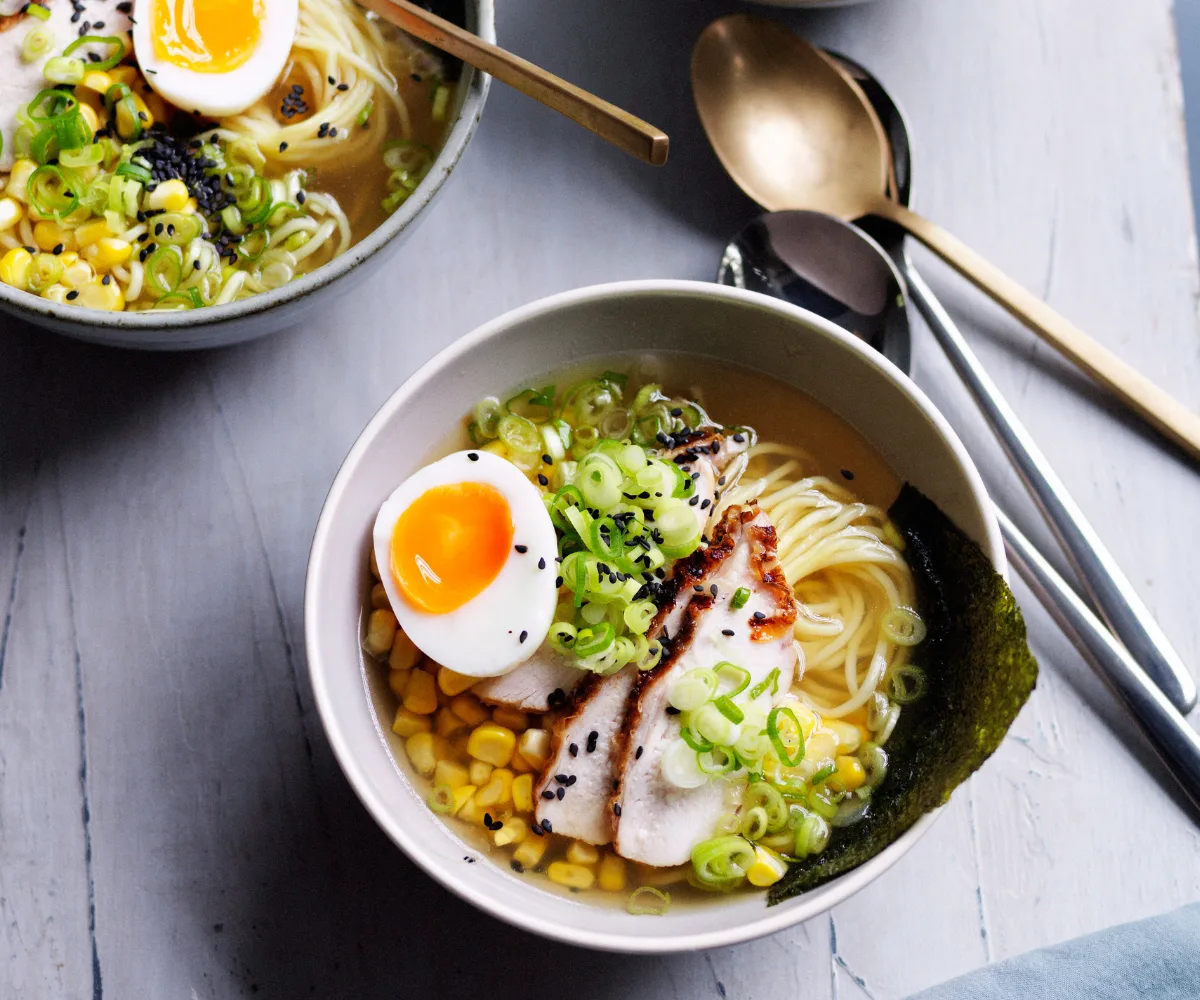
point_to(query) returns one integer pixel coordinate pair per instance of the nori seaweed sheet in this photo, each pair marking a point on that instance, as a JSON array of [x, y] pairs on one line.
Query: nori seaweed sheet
[[980, 672]]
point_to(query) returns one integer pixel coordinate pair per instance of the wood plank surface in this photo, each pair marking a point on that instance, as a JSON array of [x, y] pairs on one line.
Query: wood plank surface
[[172, 823]]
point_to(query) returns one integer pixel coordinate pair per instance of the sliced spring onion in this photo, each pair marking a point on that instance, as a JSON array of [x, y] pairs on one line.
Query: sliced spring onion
[[907, 683], [727, 708], [84, 156], [164, 270], [762, 795], [680, 767], [104, 64], [255, 202], [740, 597], [717, 761], [850, 811], [734, 676], [54, 190], [562, 636], [519, 434], [722, 863], [694, 741], [754, 823], [691, 690], [441, 100], [874, 760], [812, 835], [364, 115], [903, 626], [828, 771], [638, 617], [770, 681], [488, 412], [711, 724], [647, 901], [591, 641], [600, 479], [441, 798], [137, 171], [38, 41], [45, 271], [780, 738], [38, 11]]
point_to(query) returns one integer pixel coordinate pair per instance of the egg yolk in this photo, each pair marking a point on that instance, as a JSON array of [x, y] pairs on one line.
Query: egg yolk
[[207, 36], [450, 543]]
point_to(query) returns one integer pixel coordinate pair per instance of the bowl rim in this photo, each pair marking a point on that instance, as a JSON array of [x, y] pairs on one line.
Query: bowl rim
[[35, 308], [774, 918]]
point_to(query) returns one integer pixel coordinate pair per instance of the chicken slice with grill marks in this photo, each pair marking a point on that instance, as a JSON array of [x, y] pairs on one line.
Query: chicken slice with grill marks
[[710, 457], [658, 823], [546, 680]]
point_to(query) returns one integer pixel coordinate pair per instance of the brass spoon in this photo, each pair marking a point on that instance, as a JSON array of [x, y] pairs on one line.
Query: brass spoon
[[623, 130], [797, 132]]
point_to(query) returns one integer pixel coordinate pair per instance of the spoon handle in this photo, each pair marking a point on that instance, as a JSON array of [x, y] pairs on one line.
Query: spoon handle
[[623, 130], [1168, 415], [1175, 742], [1114, 595]]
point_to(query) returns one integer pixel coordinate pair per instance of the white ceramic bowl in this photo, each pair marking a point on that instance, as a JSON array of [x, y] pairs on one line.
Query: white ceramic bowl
[[216, 326], [736, 326]]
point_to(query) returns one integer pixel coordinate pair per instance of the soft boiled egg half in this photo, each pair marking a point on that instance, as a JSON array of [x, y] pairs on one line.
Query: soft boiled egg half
[[216, 57], [466, 552]]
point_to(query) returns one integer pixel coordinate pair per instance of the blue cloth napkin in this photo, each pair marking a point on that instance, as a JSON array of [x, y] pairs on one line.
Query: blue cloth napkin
[[1158, 958]]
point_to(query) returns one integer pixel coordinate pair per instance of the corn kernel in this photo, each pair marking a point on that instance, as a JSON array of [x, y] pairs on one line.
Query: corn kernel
[[10, 213], [660, 877], [451, 774], [497, 793], [572, 876], [821, 745], [850, 773], [15, 266], [848, 737], [535, 747], [582, 853], [509, 718], [398, 682], [48, 235], [56, 293], [170, 195], [479, 772], [125, 74], [97, 295], [611, 874], [520, 764], [191, 207], [461, 796], [97, 80], [522, 793], [514, 831], [404, 654], [89, 115], [18, 179], [530, 852], [77, 274], [109, 252], [381, 632], [421, 695], [68, 257], [453, 683], [768, 868], [92, 232], [420, 751], [379, 597], [467, 708], [447, 723], [471, 810], [492, 743], [496, 448], [408, 723]]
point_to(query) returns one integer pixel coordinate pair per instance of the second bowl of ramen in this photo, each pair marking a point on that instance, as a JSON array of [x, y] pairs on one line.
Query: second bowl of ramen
[[171, 181], [608, 597]]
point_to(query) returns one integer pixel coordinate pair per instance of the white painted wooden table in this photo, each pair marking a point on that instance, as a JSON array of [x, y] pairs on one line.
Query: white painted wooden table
[[172, 823]]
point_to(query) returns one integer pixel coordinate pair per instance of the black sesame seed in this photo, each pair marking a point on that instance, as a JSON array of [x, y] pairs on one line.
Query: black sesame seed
[[521, 548], [57, 249], [487, 819], [591, 741], [547, 793], [343, 86], [282, 146], [300, 197], [721, 481], [536, 830], [739, 438], [72, 295], [726, 631], [107, 279], [847, 474], [542, 563], [545, 825], [705, 503], [98, 24], [672, 710], [560, 793], [523, 636], [695, 500], [616, 808], [713, 590], [558, 582], [573, 749], [547, 459], [561, 779], [676, 412], [158, 229], [543, 480], [638, 755], [516, 866], [472, 456], [333, 133], [759, 616]]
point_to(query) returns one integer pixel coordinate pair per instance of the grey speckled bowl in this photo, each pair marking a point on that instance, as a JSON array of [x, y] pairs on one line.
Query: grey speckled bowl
[[217, 326]]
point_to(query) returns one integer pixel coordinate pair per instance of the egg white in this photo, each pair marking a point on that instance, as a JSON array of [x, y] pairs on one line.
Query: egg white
[[482, 638], [219, 94]]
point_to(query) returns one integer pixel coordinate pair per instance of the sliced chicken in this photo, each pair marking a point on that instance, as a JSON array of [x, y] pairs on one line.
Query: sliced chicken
[[576, 789], [658, 823], [545, 681], [708, 456]]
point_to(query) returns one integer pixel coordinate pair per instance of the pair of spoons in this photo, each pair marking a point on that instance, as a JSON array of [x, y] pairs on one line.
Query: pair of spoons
[[837, 270]]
